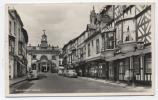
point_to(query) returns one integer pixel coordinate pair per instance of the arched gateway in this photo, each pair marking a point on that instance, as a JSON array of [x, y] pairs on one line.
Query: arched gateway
[[45, 65], [44, 56]]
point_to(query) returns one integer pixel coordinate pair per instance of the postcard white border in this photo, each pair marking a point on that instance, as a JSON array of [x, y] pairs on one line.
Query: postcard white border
[[84, 94]]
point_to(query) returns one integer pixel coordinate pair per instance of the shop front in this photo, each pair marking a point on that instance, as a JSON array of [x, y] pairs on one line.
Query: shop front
[[132, 68], [96, 69]]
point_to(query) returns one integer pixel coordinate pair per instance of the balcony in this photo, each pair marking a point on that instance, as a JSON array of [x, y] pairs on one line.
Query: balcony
[[128, 46], [109, 29], [108, 53]]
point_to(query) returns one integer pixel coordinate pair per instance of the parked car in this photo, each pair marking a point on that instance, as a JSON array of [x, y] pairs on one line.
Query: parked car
[[64, 72], [32, 73], [60, 72], [71, 73]]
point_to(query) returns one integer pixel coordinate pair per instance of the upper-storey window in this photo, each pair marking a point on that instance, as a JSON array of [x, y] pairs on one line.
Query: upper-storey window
[[97, 46], [11, 46], [89, 50], [10, 25], [14, 28], [110, 40], [20, 48], [20, 36], [125, 31], [128, 30]]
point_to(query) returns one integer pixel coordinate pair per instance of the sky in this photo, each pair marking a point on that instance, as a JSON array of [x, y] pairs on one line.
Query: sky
[[62, 22]]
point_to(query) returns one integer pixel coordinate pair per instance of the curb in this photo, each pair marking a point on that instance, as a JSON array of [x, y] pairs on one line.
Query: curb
[[17, 82], [115, 84], [104, 81]]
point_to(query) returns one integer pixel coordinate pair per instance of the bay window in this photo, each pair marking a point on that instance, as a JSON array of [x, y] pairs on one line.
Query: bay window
[[11, 46], [110, 40]]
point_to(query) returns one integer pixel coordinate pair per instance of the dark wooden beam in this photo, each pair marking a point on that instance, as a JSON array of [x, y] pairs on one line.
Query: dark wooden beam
[[141, 13]]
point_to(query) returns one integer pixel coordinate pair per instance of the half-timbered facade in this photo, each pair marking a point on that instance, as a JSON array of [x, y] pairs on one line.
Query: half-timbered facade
[[132, 44], [116, 44]]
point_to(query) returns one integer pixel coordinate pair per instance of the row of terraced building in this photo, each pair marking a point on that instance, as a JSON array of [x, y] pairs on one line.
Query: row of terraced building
[[116, 45]]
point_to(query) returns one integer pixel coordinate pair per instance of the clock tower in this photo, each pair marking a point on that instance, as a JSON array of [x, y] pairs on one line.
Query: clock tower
[[44, 44]]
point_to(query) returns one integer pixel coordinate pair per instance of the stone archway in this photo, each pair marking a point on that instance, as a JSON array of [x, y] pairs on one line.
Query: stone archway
[[44, 64]]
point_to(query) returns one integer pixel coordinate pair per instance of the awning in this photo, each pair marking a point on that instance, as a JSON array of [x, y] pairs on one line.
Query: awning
[[95, 58], [121, 56]]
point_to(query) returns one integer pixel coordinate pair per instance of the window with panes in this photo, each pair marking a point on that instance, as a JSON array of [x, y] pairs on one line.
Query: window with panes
[[97, 46]]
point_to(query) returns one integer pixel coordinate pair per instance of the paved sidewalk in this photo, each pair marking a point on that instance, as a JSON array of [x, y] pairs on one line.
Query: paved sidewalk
[[17, 80], [124, 85]]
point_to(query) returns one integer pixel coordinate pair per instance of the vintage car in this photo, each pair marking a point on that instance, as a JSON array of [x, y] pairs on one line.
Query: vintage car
[[32, 73], [71, 73]]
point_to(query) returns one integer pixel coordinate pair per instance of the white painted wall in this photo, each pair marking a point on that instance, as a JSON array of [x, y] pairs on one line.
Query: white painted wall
[[93, 48]]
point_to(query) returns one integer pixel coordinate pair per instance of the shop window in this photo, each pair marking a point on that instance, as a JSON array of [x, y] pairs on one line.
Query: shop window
[[111, 70], [148, 63], [33, 66], [136, 64], [127, 64], [121, 68]]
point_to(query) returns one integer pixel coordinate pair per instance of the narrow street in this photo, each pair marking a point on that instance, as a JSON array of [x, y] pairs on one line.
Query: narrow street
[[53, 83]]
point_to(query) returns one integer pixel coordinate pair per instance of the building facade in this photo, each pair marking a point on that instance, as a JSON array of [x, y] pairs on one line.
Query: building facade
[[18, 39], [44, 56], [116, 45]]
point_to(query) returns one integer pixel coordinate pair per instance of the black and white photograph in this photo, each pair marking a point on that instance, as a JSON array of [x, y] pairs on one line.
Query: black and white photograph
[[79, 49]]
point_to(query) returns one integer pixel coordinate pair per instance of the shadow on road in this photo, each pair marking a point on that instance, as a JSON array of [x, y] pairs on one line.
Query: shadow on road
[[41, 76], [22, 87]]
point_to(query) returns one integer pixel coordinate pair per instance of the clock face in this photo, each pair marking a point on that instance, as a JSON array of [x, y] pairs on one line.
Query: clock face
[[44, 38]]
